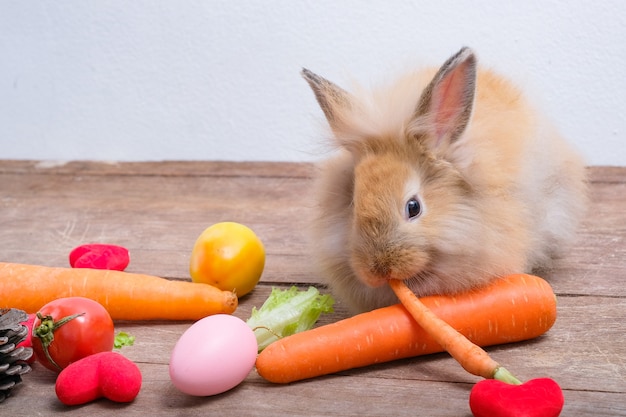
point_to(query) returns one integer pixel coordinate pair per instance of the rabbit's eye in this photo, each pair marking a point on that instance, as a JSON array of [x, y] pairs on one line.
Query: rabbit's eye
[[413, 208]]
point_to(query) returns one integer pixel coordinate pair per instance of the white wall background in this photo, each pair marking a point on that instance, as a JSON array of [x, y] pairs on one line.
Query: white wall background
[[219, 80]]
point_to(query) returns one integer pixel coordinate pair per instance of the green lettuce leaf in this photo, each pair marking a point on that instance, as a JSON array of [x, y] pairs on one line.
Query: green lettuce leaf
[[123, 339], [286, 312]]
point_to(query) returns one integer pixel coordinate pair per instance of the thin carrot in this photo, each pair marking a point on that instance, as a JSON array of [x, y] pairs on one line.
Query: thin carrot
[[470, 356], [511, 309], [126, 296]]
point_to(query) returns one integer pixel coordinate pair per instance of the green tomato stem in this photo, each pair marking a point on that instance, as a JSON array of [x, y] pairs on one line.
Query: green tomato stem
[[45, 332]]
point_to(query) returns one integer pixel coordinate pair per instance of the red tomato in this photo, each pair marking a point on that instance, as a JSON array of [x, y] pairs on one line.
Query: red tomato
[[70, 339]]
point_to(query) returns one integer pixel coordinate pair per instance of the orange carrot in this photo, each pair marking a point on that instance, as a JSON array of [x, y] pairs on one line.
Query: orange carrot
[[511, 309], [470, 356], [126, 296]]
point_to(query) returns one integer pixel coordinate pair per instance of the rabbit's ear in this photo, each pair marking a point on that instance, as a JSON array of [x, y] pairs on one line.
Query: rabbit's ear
[[332, 99], [445, 107]]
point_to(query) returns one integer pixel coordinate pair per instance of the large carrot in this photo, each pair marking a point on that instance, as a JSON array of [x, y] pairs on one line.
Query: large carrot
[[126, 296], [514, 308]]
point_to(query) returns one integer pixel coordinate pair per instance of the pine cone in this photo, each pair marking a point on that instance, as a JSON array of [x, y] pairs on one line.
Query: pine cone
[[12, 359]]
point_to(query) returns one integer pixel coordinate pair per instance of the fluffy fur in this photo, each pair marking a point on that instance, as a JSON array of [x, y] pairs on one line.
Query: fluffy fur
[[500, 191]]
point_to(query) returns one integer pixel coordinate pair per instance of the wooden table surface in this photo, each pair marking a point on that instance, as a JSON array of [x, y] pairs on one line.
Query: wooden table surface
[[157, 210]]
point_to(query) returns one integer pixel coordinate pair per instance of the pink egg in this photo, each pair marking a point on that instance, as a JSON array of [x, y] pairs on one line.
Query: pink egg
[[212, 356]]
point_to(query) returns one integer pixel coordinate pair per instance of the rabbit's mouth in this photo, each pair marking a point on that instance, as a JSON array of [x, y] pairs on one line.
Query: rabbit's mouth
[[425, 283], [376, 274]]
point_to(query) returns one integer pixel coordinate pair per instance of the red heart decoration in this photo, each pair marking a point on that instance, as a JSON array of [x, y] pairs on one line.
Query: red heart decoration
[[105, 374], [541, 397], [100, 256]]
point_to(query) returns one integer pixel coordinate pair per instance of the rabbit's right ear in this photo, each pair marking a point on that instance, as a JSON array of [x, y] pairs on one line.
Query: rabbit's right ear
[[445, 106], [333, 100]]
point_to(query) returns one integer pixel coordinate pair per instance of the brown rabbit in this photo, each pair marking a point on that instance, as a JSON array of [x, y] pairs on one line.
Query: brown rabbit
[[447, 179]]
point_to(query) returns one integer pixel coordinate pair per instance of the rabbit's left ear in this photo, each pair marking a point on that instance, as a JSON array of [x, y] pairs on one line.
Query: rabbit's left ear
[[445, 107], [333, 100]]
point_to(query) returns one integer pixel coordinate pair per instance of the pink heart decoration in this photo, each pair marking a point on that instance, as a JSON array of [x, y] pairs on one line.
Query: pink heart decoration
[[541, 397]]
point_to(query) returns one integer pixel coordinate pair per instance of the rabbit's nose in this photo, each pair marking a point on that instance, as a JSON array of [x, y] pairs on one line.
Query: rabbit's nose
[[372, 271], [380, 268]]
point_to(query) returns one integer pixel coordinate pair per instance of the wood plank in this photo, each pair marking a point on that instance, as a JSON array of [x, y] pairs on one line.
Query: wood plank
[[609, 174], [149, 214], [344, 396], [161, 168], [596, 174]]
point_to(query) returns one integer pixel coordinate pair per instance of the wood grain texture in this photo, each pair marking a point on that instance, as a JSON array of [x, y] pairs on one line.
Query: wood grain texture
[[158, 209]]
